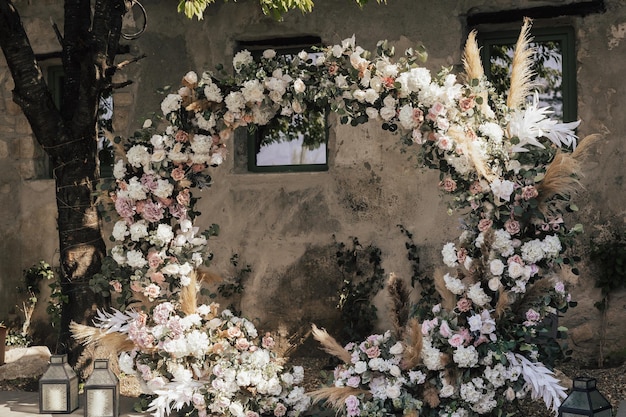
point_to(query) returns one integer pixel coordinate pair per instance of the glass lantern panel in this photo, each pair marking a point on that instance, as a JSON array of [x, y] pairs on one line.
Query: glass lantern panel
[[99, 402], [597, 400], [566, 414], [54, 397], [73, 393], [605, 413]]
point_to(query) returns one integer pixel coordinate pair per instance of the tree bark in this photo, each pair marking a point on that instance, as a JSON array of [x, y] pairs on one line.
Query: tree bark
[[69, 137]]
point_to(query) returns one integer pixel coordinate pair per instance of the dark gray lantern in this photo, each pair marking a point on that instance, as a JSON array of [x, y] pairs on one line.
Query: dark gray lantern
[[585, 400], [58, 387], [102, 391]]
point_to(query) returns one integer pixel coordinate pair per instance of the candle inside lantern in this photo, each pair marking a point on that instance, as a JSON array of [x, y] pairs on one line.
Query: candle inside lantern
[[54, 397], [99, 402]]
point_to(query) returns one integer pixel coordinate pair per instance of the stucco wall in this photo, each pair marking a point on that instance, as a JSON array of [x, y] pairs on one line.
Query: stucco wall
[[282, 224]]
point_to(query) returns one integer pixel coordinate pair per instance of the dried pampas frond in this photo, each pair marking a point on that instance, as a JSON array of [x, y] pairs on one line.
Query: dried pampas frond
[[87, 335], [502, 303], [329, 344], [448, 298], [189, 296], [532, 294], [472, 64], [431, 396], [521, 68], [563, 173], [335, 396], [414, 342], [475, 155], [399, 303], [205, 276]]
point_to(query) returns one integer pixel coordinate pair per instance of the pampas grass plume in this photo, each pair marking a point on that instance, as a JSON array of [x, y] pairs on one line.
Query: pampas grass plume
[[329, 344]]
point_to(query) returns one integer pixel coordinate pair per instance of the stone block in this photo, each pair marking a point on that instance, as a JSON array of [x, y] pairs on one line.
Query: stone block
[[122, 99], [582, 333], [30, 362]]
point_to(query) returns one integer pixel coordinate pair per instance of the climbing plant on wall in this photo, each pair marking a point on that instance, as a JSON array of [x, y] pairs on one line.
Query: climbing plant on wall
[[508, 168]]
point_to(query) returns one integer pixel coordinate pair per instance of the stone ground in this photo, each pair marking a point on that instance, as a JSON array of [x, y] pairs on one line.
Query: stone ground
[[611, 381]]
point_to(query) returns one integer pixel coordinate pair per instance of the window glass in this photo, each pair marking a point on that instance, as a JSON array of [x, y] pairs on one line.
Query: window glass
[[554, 66]]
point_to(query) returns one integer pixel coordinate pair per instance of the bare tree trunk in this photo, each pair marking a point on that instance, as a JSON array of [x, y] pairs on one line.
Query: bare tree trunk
[[69, 136]]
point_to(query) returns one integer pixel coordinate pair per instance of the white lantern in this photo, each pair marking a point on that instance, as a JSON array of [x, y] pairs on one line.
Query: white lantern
[[102, 393], [58, 387]]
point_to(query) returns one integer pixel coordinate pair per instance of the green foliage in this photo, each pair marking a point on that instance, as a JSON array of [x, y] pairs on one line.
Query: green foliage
[[33, 276], [274, 8], [233, 286], [15, 338], [428, 294], [362, 278], [609, 255]]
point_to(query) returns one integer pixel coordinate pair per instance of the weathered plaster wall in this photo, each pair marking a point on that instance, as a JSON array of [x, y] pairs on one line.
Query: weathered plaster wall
[[282, 224]]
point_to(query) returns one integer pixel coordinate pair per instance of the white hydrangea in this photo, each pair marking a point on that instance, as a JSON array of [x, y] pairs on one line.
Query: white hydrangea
[[503, 243], [454, 284], [551, 246], [135, 190], [163, 189], [477, 295], [431, 356], [252, 91], [171, 103], [162, 235], [138, 156], [532, 251], [502, 188], [241, 59], [465, 357], [119, 169], [492, 130], [213, 92], [450, 257], [235, 101], [138, 230], [119, 255], [135, 259], [120, 230]]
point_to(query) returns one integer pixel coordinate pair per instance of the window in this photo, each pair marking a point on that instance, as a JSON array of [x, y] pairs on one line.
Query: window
[[292, 143], [554, 66]]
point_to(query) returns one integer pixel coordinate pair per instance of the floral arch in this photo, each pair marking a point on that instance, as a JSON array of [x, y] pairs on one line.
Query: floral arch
[[510, 171]]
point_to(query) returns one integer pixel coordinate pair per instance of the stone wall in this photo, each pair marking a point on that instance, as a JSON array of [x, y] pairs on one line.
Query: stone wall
[[282, 225]]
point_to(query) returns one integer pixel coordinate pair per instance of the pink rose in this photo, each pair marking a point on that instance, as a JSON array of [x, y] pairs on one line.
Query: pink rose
[[124, 207], [463, 305], [372, 352], [456, 340], [444, 329], [157, 277], [242, 343], [512, 226], [182, 136], [467, 103], [178, 174], [484, 224], [448, 184], [154, 259], [117, 286], [233, 332], [529, 192]]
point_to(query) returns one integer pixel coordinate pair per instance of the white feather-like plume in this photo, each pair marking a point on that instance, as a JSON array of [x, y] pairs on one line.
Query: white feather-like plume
[[541, 381]]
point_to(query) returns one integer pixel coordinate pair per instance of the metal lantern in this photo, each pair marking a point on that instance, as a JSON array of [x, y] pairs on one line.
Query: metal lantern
[[585, 400], [102, 391], [58, 387]]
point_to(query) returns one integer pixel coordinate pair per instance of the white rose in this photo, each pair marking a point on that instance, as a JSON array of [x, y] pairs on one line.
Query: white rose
[[360, 367], [494, 284], [396, 349], [496, 267], [298, 86]]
